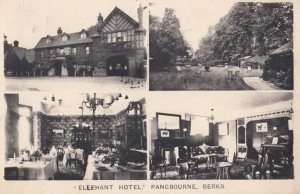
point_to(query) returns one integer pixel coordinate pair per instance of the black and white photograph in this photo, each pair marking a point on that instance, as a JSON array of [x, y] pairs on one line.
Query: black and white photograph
[[221, 45], [54, 45], [250, 137], [79, 136], [149, 96]]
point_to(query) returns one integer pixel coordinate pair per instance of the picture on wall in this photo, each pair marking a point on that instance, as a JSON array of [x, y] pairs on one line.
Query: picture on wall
[[262, 127]]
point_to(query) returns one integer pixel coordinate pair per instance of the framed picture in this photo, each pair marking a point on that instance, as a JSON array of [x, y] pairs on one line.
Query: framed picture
[[164, 133], [262, 127], [275, 140], [59, 132]]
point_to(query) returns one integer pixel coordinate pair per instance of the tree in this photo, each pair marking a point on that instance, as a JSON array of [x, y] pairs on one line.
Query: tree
[[166, 41], [248, 29]]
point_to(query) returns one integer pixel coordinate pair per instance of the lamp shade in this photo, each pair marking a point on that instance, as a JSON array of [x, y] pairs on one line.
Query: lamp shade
[[108, 100]]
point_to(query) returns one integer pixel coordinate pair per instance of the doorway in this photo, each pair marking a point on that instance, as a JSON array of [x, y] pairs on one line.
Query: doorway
[[117, 66], [57, 65]]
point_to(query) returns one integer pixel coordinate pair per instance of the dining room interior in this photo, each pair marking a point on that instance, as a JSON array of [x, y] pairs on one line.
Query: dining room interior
[[79, 136], [244, 136]]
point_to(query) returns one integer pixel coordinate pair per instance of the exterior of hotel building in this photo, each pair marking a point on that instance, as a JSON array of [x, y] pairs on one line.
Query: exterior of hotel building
[[114, 46]]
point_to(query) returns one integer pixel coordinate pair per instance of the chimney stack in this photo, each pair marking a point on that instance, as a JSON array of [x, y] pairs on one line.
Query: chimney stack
[[16, 43], [140, 16], [59, 31], [100, 19]]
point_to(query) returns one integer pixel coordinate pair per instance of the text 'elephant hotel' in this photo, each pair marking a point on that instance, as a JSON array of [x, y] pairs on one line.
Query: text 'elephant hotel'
[[114, 46]]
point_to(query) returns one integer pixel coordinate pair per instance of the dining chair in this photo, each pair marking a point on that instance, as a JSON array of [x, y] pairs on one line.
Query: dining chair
[[72, 158], [184, 170], [224, 156]]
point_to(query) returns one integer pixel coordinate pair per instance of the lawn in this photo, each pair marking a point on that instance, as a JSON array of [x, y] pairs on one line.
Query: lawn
[[215, 79]]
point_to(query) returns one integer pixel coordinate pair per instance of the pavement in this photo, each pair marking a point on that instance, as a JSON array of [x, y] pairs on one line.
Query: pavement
[[259, 84], [75, 84]]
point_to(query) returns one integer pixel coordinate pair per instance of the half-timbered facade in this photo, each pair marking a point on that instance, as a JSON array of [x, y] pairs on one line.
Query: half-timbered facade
[[114, 46]]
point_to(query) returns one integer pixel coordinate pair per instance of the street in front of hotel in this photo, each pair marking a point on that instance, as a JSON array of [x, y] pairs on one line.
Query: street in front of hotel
[[74, 84]]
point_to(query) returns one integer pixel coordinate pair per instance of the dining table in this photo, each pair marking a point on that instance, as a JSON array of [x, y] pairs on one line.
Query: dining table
[[222, 169], [97, 170], [33, 170]]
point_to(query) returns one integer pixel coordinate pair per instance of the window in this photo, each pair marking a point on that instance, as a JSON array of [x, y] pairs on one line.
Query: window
[[67, 50], [65, 38], [114, 37], [48, 40], [109, 38], [57, 50], [42, 54], [119, 34], [104, 39], [124, 34], [119, 39], [74, 51], [61, 51], [83, 35], [138, 44], [87, 50], [51, 52]]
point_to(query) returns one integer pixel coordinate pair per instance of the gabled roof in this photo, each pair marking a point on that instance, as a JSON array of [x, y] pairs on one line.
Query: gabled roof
[[48, 36], [94, 33], [114, 11], [65, 34], [243, 58], [83, 30], [29, 55], [19, 51], [257, 59], [286, 48], [74, 38]]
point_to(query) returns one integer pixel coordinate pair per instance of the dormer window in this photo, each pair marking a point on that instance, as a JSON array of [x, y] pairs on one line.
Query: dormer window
[[83, 35], [48, 40], [64, 38]]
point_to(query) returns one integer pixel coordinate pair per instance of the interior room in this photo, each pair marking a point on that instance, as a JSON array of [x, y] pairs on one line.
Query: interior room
[[86, 136], [241, 136]]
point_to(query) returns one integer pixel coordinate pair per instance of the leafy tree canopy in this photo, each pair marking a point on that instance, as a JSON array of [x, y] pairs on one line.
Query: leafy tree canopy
[[248, 29], [166, 40]]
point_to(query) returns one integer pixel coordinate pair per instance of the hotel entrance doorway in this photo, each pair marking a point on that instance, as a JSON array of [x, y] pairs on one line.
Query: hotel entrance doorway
[[117, 66]]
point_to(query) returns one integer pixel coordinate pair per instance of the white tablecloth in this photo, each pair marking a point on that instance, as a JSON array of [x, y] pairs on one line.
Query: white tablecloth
[[34, 170], [111, 173]]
